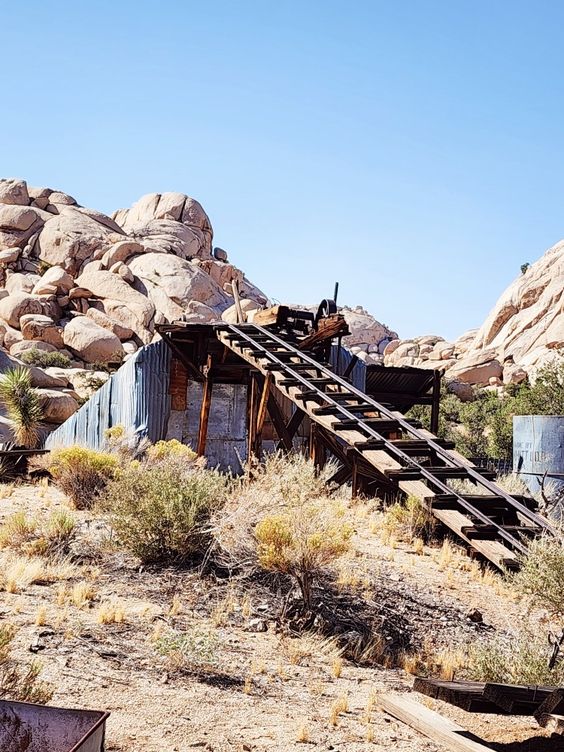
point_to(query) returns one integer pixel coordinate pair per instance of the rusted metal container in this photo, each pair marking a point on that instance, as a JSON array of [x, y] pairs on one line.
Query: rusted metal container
[[538, 450], [25, 727]]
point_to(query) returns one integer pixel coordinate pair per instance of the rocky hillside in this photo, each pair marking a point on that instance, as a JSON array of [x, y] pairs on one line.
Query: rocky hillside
[[91, 288], [523, 331]]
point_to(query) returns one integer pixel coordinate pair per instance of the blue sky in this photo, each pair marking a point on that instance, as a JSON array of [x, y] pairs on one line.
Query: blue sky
[[411, 150]]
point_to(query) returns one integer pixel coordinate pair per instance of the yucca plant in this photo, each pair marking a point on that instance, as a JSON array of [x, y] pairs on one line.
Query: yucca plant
[[23, 404]]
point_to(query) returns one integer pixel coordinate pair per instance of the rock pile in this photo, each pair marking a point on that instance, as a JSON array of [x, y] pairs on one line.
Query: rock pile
[[523, 331], [92, 287]]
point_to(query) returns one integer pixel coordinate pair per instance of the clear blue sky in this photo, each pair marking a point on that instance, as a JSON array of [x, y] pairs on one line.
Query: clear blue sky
[[413, 151]]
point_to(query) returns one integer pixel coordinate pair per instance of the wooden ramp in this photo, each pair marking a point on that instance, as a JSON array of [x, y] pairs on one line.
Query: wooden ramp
[[401, 454]]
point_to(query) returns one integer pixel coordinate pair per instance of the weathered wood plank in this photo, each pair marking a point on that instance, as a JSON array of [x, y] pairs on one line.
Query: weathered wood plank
[[431, 724]]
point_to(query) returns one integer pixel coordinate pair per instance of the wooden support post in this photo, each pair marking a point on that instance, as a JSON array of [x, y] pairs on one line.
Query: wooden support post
[[261, 411], [205, 410], [295, 422], [316, 448], [252, 414], [436, 404], [236, 298]]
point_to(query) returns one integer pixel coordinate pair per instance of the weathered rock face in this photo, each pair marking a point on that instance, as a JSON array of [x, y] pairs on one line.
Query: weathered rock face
[[527, 323], [523, 331], [92, 342]]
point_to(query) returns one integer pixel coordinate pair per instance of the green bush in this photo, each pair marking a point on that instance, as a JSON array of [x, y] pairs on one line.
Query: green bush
[[23, 405], [81, 473], [484, 426], [521, 660], [163, 450], [160, 511], [541, 575], [42, 359]]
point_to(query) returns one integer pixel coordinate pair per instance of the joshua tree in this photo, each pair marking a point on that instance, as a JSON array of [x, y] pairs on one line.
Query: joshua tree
[[23, 405]]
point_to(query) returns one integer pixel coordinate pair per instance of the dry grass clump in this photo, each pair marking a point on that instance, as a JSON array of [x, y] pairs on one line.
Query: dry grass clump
[[310, 646], [196, 650], [408, 521], [443, 664], [338, 707], [161, 511], [82, 474], [19, 682], [111, 612], [18, 572], [34, 536]]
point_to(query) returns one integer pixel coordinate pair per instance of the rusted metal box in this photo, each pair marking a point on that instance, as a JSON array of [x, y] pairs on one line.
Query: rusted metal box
[[25, 727]]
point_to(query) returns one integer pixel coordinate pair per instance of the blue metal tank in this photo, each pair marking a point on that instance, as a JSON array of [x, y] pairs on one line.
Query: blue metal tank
[[538, 448]]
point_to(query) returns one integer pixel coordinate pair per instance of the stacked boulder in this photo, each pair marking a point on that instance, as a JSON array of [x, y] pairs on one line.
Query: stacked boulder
[[93, 287]]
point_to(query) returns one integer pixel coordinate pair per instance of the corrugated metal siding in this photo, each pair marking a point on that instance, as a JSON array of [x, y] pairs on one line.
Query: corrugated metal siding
[[395, 379], [340, 359], [136, 397]]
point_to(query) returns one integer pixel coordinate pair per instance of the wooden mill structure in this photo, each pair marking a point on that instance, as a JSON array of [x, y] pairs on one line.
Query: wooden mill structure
[[283, 357]]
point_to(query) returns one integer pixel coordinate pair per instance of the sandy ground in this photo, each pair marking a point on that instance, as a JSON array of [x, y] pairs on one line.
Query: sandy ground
[[267, 691]]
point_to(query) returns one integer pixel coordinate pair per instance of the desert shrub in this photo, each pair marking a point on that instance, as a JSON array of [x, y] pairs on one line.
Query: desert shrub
[[42, 359], [162, 450], [160, 511], [408, 520], [302, 541], [32, 536], [282, 482], [23, 405], [81, 473], [196, 650], [484, 425], [19, 682], [542, 573], [521, 660]]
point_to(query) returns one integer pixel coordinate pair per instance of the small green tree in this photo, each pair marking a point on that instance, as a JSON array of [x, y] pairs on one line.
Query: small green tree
[[23, 405]]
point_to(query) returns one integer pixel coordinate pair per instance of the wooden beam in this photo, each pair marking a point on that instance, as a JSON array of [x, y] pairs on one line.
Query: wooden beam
[[295, 422], [252, 414], [317, 451], [240, 315], [436, 402], [270, 316], [431, 724], [328, 328], [278, 422], [263, 403], [205, 410]]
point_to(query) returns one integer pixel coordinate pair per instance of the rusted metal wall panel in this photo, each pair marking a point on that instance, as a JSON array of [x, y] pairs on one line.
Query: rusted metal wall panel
[[136, 396]]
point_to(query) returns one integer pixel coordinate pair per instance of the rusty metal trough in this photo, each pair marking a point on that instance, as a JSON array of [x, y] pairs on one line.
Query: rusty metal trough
[[25, 727]]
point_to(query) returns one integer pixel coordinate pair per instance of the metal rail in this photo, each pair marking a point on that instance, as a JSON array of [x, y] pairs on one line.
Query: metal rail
[[260, 351]]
